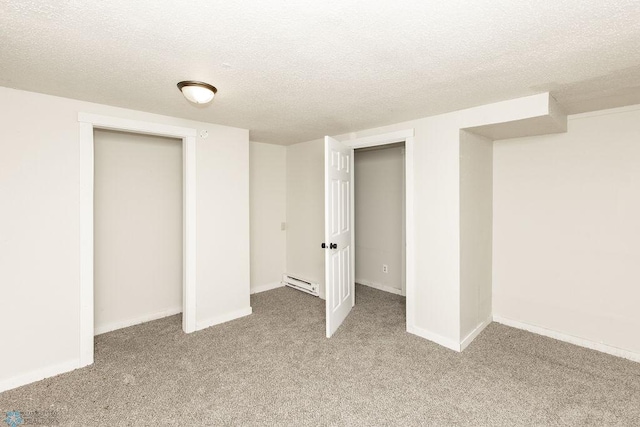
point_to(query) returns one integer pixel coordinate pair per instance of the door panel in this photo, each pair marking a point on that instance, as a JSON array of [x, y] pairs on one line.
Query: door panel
[[338, 272]]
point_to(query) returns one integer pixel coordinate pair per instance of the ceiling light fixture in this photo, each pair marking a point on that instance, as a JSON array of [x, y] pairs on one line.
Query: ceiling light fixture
[[197, 92]]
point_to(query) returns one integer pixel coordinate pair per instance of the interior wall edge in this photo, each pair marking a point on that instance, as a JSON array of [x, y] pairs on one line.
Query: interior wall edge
[[39, 374], [434, 337], [227, 317], [266, 287], [137, 320], [379, 286], [476, 331], [582, 342]]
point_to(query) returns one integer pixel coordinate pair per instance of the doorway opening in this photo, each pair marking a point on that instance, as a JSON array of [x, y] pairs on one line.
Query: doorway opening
[[87, 123], [339, 230], [137, 228], [379, 210]]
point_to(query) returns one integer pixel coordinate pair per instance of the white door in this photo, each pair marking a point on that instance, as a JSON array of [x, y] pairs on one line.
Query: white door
[[339, 283]]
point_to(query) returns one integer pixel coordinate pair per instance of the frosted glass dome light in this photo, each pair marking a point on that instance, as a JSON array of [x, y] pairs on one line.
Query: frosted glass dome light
[[197, 92]]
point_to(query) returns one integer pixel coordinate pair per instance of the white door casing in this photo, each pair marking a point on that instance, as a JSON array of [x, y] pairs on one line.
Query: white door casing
[[88, 122], [338, 219]]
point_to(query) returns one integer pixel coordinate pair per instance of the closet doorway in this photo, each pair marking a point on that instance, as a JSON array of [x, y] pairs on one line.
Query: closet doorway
[[339, 242], [137, 228], [87, 124], [380, 217]]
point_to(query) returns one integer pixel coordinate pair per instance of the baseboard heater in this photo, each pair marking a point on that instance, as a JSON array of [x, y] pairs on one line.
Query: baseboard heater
[[301, 284]]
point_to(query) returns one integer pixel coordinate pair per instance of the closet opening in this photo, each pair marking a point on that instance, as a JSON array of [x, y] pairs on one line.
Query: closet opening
[[87, 124], [369, 221], [379, 218], [138, 228]]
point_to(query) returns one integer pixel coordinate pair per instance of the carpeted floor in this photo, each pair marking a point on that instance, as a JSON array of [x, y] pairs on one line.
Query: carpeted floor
[[275, 367]]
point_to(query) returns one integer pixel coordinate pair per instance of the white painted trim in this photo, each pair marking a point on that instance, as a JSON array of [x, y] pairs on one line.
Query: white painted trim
[[606, 112], [403, 271], [39, 374], [136, 320], [473, 334], [438, 339], [135, 126], [593, 345], [87, 124], [380, 287], [266, 287], [449, 343], [410, 274], [381, 139], [202, 324], [189, 288], [86, 244], [352, 222]]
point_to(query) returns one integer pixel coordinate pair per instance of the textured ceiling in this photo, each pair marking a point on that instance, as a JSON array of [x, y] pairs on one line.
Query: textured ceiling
[[292, 71]]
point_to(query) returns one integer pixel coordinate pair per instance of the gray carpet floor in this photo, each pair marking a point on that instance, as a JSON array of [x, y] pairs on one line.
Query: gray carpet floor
[[275, 367]]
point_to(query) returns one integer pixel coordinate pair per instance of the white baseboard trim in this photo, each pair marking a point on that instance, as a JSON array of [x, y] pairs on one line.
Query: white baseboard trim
[[223, 318], [380, 287], [135, 321], [473, 334], [438, 339], [593, 345], [39, 374], [266, 287]]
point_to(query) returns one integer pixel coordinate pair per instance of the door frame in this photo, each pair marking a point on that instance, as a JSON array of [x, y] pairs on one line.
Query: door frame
[[87, 123], [408, 136]]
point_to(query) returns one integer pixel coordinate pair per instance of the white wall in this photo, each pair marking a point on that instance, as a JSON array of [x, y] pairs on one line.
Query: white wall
[[222, 234], [476, 206], [39, 225], [567, 229], [268, 190], [305, 211], [137, 228], [379, 217]]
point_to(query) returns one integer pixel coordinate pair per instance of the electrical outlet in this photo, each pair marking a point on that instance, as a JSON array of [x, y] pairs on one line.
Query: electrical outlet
[[385, 268]]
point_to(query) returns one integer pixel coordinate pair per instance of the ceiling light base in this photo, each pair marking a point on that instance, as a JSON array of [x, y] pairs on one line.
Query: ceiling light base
[[197, 92]]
